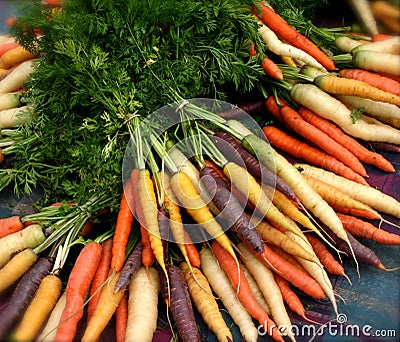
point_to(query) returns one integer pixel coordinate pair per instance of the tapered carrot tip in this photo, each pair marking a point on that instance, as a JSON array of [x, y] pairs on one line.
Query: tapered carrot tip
[[382, 267]]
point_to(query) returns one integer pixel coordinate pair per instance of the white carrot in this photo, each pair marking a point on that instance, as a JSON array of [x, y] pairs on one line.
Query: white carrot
[[29, 237], [383, 111], [15, 117], [379, 62], [366, 194], [272, 294], [10, 100], [17, 77], [275, 45], [221, 285], [390, 45], [327, 106], [346, 44], [362, 10], [142, 306]]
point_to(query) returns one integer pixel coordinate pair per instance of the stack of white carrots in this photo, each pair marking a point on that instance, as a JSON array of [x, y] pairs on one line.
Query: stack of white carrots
[[286, 240]]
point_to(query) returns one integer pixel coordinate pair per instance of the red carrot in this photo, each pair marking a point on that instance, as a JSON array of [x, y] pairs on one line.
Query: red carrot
[[121, 318], [363, 213], [364, 229], [191, 250], [100, 276], [78, 285], [9, 225], [304, 151], [362, 153], [317, 136], [288, 33], [271, 69], [372, 78], [121, 235]]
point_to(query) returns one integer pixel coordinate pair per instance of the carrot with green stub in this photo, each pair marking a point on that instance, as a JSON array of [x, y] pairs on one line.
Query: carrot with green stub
[[78, 285], [380, 62], [22, 295], [10, 100], [362, 153], [240, 284], [306, 152], [201, 294], [29, 237], [327, 106], [292, 36], [345, 86], [37, 312]]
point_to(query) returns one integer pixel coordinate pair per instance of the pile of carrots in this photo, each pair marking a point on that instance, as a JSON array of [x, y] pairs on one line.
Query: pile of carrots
[[248, 223]]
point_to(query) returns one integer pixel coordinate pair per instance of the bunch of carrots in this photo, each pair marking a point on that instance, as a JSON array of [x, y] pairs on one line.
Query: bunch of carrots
[[247, 220]]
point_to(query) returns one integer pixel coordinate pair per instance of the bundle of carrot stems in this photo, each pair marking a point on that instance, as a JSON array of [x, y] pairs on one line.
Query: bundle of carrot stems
[[195, 204]]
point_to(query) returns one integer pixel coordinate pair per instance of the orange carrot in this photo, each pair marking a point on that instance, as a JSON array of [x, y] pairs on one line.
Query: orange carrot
[[289, 296], [271, 68], [292, 36], [15, 56], [78, 285], [364, 229], [297, 277], [245, 295], [121, 318], [7, 46], [361, 152], [9, 225], [372, 78], [299, 149], [121, 235], [363, 213], [101, 276], [346, 86], [191, 250], [315, 135], [325, 256]]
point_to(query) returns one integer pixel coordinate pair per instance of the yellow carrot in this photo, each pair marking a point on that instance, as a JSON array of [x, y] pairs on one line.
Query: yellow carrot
[[346, 86], [39, 309], [248, 186], [205, 303], [194, 204], [16, 267]]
